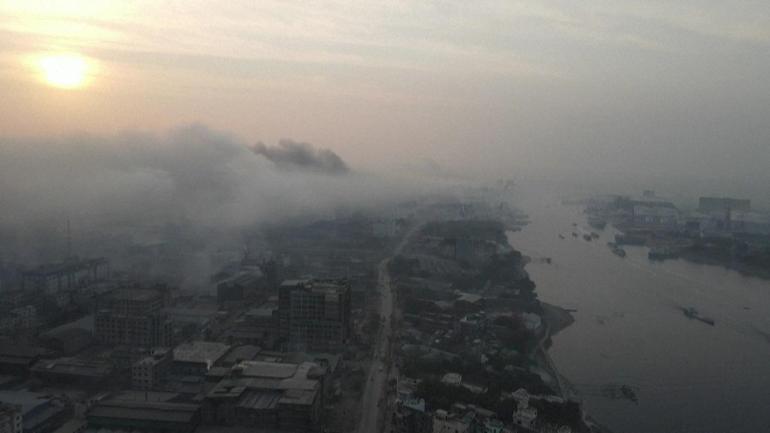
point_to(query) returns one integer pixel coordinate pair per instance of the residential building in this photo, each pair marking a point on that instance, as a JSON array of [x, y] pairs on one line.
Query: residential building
[[133, 317], [10, 418], [314, 315], [151, 370], [18, 320], [410, 416]]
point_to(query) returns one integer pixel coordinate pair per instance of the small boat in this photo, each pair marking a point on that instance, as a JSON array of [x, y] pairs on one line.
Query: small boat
[[620, 252], [692, 313], [661, 253], [597, 223], [629, 393]]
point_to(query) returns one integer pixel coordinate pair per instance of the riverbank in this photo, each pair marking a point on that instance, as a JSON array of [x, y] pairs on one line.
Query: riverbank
[[630, 330], [556, 318]]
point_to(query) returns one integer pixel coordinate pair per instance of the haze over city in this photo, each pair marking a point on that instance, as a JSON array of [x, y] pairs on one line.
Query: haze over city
[[384, 217]]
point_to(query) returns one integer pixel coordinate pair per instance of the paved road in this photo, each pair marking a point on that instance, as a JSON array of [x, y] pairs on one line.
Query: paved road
[[374, 403]]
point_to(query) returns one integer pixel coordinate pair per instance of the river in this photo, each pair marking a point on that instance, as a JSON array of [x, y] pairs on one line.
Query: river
[[629, 329]]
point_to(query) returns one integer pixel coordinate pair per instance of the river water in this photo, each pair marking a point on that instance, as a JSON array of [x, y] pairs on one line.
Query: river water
[[629, 329]]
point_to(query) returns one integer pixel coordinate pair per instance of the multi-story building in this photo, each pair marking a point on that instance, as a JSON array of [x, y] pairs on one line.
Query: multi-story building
[[314, 315], [10, 418], [133, 317], [18, 320], [151, 370]]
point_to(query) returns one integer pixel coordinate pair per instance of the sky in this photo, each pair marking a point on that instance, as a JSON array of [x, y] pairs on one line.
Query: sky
[[608, 89]]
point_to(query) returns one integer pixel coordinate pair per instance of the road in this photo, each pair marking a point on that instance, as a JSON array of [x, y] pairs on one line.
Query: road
[[374, 402]]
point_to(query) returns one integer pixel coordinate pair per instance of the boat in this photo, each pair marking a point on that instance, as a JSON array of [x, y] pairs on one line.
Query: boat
[[629, 393], [597, 223], [620, 252], [661, 253], [692, 313], [630, 239]]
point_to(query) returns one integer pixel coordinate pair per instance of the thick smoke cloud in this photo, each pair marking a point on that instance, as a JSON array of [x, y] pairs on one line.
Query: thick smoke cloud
[[137, 189], [294, 155]]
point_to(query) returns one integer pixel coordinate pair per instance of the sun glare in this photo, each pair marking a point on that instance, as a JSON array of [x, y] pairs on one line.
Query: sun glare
[[66, 71]]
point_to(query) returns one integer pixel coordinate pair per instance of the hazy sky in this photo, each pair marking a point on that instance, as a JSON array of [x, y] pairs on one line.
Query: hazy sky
[[607, 87]]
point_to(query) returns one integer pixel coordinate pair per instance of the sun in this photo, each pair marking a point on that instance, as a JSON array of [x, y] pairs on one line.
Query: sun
[[66, 71]]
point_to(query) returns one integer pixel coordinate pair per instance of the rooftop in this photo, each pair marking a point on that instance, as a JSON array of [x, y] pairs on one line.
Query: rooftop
[[200, 352], [74, 367], [154, 411], [135, 294]]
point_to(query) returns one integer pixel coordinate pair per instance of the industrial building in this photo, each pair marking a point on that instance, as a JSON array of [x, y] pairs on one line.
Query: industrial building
[[196, 358], [79, 371], [154, 416], [275, 395]]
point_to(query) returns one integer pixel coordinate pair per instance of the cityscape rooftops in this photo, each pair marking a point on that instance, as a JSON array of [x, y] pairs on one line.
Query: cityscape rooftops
[[74, 367], [142, 410], [203, 352], [138, 295]]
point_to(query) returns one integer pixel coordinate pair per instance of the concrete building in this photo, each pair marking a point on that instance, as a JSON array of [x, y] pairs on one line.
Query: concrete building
[[69, 275], [10, 418], [144, 416], [133, 317], [148, 372], [258, 326], [444, 422], [655, 217], [197, 358], [410, 416], [525, 415], [314, 315], [77, 371], [723, 204], [39, 412], [17, 358], [18, 320], [269, 395]]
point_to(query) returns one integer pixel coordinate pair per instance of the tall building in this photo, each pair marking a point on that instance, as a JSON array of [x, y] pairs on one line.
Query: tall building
[[133, 317], [314, 315]]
